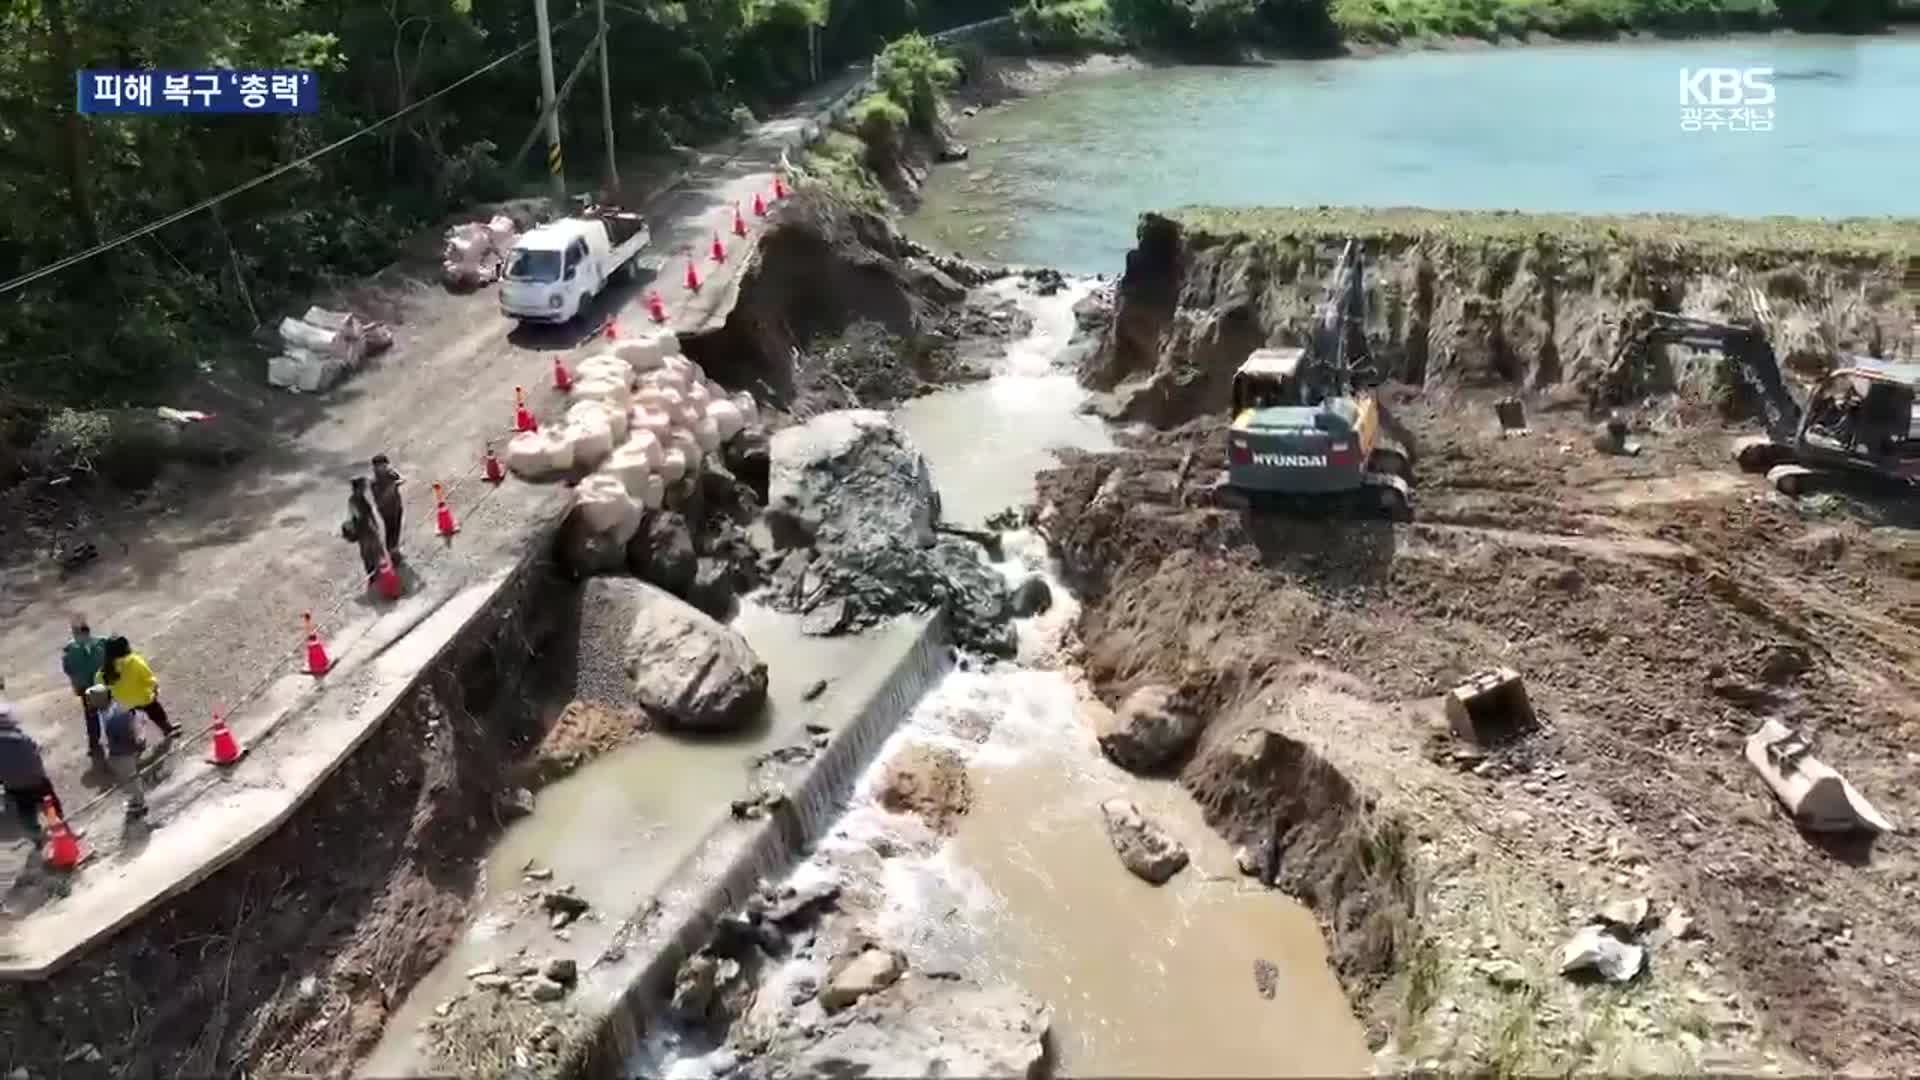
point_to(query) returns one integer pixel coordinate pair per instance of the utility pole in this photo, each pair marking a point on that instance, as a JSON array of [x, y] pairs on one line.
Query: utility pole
[[606, 104], [546, 99]]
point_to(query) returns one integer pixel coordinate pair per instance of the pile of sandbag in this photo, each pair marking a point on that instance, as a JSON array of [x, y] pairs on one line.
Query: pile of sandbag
[[321, 347], [642, 417], [475, 251]]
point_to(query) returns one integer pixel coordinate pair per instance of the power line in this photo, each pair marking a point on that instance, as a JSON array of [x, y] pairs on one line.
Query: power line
[[73, 260]]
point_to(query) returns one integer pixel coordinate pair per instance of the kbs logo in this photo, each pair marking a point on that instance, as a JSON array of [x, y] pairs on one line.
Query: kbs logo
[[1730, 99], [1292, 461]]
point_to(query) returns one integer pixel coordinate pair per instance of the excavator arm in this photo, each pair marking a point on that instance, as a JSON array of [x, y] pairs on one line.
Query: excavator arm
[[1340, 354], [1753, 360]]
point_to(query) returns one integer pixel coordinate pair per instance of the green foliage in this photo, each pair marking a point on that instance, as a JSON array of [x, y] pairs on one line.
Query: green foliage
[[1392, 20], [1067, 26], [838, 164], [913, 72]]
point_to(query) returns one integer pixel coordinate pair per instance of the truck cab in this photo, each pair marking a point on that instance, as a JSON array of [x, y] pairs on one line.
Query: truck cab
[[555, 270]]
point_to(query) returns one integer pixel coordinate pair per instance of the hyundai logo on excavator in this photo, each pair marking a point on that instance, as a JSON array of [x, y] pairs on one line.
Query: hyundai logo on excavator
[[1292, 461]]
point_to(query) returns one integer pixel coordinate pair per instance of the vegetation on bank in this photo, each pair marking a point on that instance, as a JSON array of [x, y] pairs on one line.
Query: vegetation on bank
[[1215, 25], [1875, 239]]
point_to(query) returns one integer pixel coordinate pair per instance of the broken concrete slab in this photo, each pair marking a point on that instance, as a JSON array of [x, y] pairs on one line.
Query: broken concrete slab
[[1818, 797], [1491, 707]]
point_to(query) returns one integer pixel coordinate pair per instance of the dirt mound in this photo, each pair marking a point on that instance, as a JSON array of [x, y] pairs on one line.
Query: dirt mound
[[930, 781], [1485, 300], [1659, 607], [838, 310]]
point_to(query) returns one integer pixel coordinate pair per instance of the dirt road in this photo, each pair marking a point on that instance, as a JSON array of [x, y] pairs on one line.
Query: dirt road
[[1660, 608], [212, 586]]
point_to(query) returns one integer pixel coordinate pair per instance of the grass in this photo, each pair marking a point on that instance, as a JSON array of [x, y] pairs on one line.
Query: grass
[[1392, 20], [1869, 238], [838, 164]]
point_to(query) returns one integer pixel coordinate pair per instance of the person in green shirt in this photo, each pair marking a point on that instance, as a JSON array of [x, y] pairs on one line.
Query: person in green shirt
[[82, 659]]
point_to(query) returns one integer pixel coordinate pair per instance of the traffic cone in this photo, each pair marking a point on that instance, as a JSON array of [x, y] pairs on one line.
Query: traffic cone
[[656, 308], [759, 205], [442, 517], [739, 223], [779, 188], [387, 579], [693, 277], [562, 378], [318, 663], [490, 467], [523, 420], [613, 329], [719, 250], [226, 749], [63, 848]]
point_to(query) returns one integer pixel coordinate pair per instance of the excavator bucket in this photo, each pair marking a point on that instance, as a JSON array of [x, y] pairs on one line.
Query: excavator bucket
[[1819, 798], [1490, 708], [1513, 416]]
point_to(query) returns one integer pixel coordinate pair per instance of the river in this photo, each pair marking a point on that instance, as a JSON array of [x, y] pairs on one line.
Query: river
[[1060, 179]]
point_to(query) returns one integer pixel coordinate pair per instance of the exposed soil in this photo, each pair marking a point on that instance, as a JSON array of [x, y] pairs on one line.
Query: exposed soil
[[1660, 608], [583, 731], [930, 781], [289, 960]]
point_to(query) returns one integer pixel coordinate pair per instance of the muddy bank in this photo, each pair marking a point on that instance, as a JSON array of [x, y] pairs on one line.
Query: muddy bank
[[1538, 302], [1660, 608], [288, 960]]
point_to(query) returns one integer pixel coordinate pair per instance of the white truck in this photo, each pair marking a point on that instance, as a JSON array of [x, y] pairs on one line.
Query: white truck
[[555, 269]]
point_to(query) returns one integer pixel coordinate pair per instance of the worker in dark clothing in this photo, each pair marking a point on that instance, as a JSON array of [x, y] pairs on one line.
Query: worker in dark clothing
[[386, 498], [82, 660], [363, 529], [23, 773]]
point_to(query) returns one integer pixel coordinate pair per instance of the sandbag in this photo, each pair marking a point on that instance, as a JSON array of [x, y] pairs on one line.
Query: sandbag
[[655, 495], [725, 416], [645, 350], [697, 397], [308, 336], [631, 465], [666, 379], [607, 509], [673, 463], [600, 412], [707, 434], [603, 366], [612, 391], [649, 396], [652, 421], [684, 441], [749, 410], [591, 438], [539, 455]]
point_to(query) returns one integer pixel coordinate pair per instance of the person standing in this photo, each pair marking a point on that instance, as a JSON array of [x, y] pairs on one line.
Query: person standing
[[386, 498], [361, 528], [123, 748], [23, 773], [133, 685], [82, 660]]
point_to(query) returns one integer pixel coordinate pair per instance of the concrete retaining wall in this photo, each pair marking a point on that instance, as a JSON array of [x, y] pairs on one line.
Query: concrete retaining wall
[[733, 862]]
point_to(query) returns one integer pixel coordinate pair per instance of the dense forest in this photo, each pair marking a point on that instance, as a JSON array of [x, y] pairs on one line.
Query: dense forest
[[125, 326]]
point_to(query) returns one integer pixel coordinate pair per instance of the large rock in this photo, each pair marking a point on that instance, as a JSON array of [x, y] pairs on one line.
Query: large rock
[[1143, 847], [1149, 730], [854, 502], [642, 646], [662, 552], [920, 1027], [859, 974]]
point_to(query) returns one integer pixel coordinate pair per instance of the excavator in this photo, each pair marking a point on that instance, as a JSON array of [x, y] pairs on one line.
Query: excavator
[[1858, 423], [1308, 433]]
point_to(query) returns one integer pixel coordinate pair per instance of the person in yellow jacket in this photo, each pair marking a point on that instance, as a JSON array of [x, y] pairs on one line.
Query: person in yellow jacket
[[132, 683]]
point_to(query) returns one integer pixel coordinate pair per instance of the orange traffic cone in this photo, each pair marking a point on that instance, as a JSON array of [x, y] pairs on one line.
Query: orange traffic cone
[[490, 467], [226, 749], [442, 517], [63, 848], [387, 579], [779, 188], [523, 420], [318, 663], [719, 250], [613, 329], [759, 205], [739, 223], [562, 378], [656, 308], [693, 277]]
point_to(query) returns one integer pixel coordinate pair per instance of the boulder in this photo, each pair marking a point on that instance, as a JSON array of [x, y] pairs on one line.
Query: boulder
[[1143, 847], [748, 458], [662, 552], [854, 977], [1149, 730], [642, 646], [716, 585], [920, 1027], [589, 552], [848, 480], [1033, 597]]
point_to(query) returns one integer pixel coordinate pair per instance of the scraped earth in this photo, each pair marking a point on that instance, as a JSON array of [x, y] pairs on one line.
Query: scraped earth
[[1660, 608]]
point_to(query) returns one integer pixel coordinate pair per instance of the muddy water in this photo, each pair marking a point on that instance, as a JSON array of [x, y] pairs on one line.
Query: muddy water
[[1141, 980]]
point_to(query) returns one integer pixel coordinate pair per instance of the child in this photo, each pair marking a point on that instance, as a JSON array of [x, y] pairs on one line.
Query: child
[[123, 747]]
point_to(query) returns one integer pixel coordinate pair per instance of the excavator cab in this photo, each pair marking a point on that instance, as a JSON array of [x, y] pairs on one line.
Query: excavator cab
[[1864, 413], [1270, 379]]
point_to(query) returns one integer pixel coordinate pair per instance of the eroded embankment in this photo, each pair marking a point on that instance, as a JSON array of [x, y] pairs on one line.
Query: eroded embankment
[[288, 960], [1660, 607], [1477, 299]]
